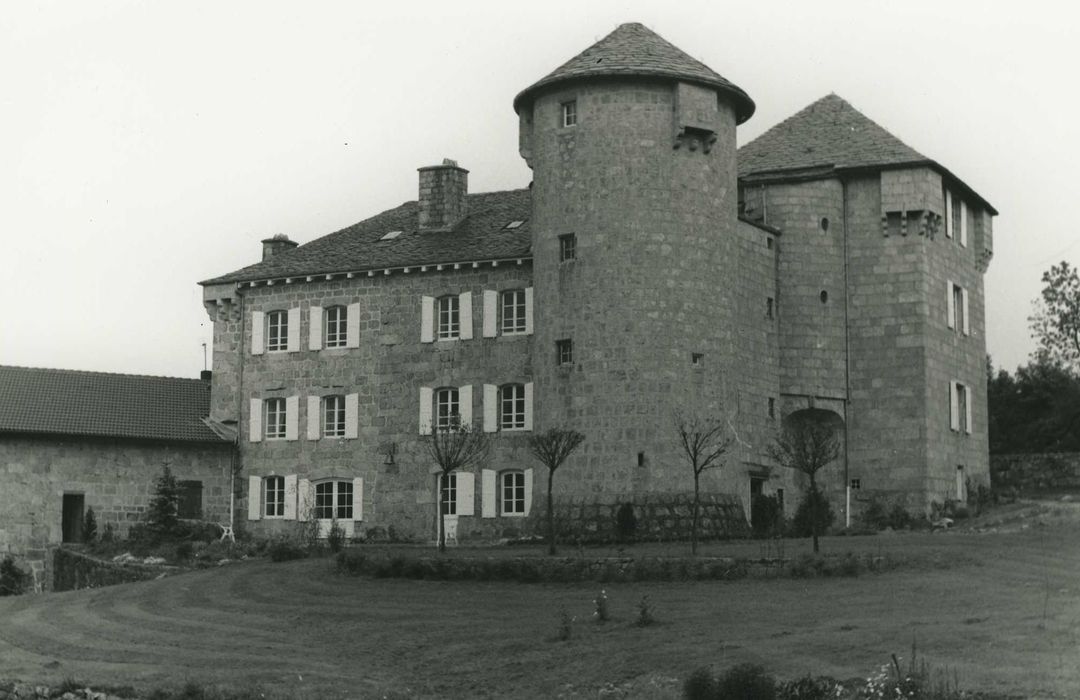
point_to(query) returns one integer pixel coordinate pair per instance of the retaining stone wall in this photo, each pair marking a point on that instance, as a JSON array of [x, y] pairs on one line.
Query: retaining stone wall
[[73, 571], [1036, 473]]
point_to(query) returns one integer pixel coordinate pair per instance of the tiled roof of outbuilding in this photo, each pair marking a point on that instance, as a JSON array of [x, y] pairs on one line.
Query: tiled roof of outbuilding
[[97, 404], [482, 235], [635, 50]]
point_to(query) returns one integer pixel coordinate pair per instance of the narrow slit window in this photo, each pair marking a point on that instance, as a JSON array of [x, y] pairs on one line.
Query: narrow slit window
[[567, 247], [564, 351]]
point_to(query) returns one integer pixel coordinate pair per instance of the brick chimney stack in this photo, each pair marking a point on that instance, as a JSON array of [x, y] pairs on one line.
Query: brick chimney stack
[[278, 244], [443, 190]]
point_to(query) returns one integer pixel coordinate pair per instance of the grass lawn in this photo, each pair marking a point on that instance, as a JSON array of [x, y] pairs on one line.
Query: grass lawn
[[1004, 615]]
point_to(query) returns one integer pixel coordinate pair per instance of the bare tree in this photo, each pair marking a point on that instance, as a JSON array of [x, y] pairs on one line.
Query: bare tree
[[455, 446], [703, 441], [807, 447], [551, 448]]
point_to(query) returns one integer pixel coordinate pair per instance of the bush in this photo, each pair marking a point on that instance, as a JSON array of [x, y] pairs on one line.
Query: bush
[[807, 688], [801, 523], [701, 685], [746, 682], [109, 535], [184, 550], [625, 523], [13, 580], [335, 538], [767, 516], [89, 530], [161, 515], [284, 550]]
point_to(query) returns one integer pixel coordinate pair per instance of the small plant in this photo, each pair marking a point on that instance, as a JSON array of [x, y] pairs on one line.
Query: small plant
[[566, 625], [645, 612], [746, 682], [13, 580], [809, 688], [108, 536], [335, 537], [601, 613], [89, 530], [701, 685], [161, 519]]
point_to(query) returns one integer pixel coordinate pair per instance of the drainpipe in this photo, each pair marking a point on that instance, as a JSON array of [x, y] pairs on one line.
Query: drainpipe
[[847, 359]]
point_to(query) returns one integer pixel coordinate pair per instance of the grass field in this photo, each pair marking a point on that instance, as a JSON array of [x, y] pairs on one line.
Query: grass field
[[1003, 615]]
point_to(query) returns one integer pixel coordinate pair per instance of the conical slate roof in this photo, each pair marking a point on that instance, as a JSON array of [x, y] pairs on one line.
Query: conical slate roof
[[830, 132], [635, 50]]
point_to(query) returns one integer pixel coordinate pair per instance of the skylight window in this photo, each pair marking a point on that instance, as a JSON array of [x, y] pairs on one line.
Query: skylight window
[[390, 236], [514, 224]]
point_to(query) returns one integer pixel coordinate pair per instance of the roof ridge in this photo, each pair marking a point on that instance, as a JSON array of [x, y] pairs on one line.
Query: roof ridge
[[59, 370]]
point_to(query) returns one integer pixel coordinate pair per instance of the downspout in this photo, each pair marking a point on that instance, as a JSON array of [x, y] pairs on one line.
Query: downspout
[[847, 358], [239, 464]]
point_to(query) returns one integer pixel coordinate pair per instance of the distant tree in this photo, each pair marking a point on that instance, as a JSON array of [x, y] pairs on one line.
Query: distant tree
[[454, 447], [1055, 324], [807, 447], [161, 515], [703, 441], [551, 448], [1035, 410]]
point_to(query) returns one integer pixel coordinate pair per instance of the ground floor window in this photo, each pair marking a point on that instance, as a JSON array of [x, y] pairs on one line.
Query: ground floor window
[[274, 496], [448, 494], [334, 499], [513, 493]]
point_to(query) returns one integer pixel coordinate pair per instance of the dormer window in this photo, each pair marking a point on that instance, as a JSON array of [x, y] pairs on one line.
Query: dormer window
[[390, 236], [569, 113]]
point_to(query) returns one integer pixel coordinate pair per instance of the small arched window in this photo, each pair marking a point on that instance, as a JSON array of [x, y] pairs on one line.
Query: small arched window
[[334, 500]]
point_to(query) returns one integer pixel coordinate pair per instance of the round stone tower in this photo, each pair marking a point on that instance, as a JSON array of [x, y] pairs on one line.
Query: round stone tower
[[632, 147]]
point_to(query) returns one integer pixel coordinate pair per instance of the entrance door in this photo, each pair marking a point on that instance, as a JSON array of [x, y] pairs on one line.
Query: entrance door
[[72, 519], [757, 488]]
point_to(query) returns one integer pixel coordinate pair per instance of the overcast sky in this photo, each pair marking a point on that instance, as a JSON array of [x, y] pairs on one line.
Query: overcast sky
[[147, 146]]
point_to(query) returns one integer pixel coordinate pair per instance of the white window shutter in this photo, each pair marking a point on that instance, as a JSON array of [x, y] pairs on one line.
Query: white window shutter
[[294, 330], [302, 501], [425, 410], [292, 417], [358, 498], [491, 408], [529, 310], [290, 496], [528, 490], [315, 319], [352, 415], [465, 314], [967, 404], [465, 498], [491, 312], [967, 318], [255, 431], [529, 406], [954, 407], [950, 302], [352, 326], [963, 223], [487, 493], [258, 328], [254, 497], [427, 319], [465, 404], [948, 214], [314, 417]]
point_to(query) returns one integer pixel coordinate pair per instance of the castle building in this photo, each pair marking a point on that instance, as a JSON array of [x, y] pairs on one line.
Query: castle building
[[824, 272]]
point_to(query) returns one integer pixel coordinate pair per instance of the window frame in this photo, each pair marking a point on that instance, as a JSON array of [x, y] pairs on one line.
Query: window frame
[[512, 407], [340, 497], [338, 424], [567, 247], [444, 419], [516, 500], [277, 330], [273, 497], [448, 494], [517, 321], [564, 352], [336, 317], [962, 398], [278, 408], [568, 116], [451, 330]]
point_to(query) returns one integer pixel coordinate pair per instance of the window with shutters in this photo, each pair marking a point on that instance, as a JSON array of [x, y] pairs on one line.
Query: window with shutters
[[447, 408], [448, 323], [274, 497], [567, 247], [336, 326], [962, 399], [448, 494], [512, 488], [958, 307], [333, 410], [957, 213], [334, 500], [512, 407], [274, 424], [277, 331], [513, 311]]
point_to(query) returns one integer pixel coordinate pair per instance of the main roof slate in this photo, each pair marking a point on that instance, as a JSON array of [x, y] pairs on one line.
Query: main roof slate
[[635, 50], [482, 235], [96, 404]]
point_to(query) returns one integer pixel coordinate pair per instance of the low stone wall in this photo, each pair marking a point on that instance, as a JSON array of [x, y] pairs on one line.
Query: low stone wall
[[26, 691], [1040, 473], [72, 571]]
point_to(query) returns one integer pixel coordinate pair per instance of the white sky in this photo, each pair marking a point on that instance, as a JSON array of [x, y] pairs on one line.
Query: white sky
[[147, 146]]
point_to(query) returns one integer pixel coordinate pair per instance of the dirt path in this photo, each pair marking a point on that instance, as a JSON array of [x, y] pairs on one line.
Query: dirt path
[[1006, 617]]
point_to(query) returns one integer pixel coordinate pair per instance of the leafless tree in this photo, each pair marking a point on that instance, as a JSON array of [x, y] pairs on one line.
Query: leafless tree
[[807, 446], [703, 441], [551, 448], [455, 446]]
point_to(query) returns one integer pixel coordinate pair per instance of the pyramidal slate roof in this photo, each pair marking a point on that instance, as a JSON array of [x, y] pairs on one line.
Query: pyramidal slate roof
[[482, 235], [635, 50], [63, 402]]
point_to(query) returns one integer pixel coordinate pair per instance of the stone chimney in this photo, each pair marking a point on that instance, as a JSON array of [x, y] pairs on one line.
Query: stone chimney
[[443, 190], [278, 244]]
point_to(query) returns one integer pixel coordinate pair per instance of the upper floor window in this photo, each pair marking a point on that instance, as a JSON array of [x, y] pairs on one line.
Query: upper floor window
[[957, 316], [333, 416], [449, 320], [564, 351], [569, 113], [447, 408], [274, 496], [960, 405], [512, 489], [275, 419], [277, 331], [512, 407], [334, 500], [567, 247], [513, 311], [337, 326]]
